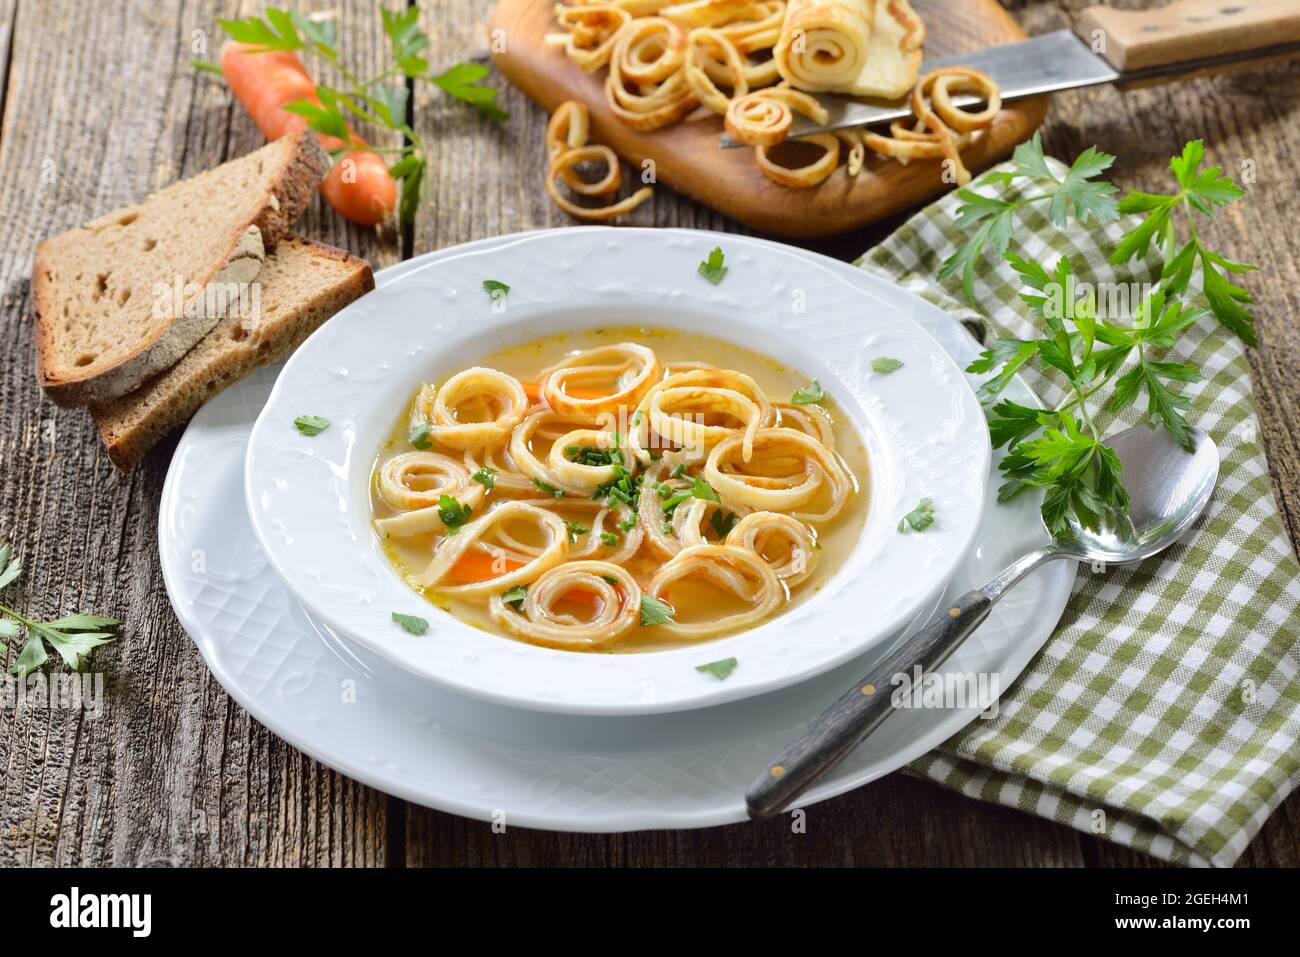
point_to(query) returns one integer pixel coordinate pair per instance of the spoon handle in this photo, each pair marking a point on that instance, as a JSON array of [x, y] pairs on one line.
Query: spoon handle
[[831, 737], [860, 710]]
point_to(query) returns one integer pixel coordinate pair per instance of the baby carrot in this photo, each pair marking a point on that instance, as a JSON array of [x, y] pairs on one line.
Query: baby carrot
[[358, 185]]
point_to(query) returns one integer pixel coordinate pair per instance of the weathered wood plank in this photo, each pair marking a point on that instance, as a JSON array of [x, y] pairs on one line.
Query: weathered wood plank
[[101, 108], [898, 821]]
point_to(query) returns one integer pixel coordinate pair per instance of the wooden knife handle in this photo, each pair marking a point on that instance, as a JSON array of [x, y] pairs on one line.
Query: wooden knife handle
[[1186, 30]]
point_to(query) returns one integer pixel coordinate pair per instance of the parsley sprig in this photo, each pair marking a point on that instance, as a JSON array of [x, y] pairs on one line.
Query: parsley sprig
[[73, 637], [1108, 363], [1203, 192], [380, 100], [993, 217]]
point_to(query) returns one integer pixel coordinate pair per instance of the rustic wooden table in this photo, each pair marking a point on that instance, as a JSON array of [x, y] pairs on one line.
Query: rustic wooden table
[[100, 107]]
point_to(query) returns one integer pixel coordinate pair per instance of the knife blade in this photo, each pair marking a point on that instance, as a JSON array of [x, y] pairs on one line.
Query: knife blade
[[1043, 64]]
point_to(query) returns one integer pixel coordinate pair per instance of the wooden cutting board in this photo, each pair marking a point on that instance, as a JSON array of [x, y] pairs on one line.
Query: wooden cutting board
[[687, 156]]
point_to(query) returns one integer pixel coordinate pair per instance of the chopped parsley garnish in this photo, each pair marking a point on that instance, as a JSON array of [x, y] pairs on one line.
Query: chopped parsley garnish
[[411, 623], [885, 365], [810, 393], [575, 529], [515, 596], [919, 518], [419, 435], [655, 612], [719, 669], [453, 513], [496, 290], [722, 522], [713, 268], [486, 476], [550, 490], [609, 538], [311, 424]]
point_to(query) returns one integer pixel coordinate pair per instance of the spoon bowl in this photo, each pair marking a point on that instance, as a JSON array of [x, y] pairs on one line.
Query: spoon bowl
[[1169, 486]]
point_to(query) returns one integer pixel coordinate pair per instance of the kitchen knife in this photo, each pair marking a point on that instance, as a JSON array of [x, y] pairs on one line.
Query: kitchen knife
[[1130, 48]]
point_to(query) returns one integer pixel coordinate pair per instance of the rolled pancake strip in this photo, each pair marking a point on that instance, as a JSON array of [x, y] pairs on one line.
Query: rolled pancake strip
[[436, 408], [858, 47], [735, 569], [451, 548], [618, 599]]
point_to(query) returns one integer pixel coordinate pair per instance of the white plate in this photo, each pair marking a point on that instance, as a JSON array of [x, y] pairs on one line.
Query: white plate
[[923, 428], [360, 715]]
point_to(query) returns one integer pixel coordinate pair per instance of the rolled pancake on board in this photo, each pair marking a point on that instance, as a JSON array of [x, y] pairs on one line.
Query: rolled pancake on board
[[858, 47]]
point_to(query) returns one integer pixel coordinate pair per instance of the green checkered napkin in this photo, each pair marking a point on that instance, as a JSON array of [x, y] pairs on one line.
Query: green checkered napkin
[[1164, 713]]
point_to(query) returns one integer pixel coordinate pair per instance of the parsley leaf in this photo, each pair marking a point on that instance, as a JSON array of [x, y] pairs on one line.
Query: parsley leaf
[[453, 513], [810, 393], [412, 624], [919, 518], [495, 290], [73, 637], [486, 476], [702, 489], [1203, 192], [719, 669], [712, 268], [419, 435], [655, 612], [311, 424], [463, 81], [515, 596], [993, 218], [885, 365], [722, 522]]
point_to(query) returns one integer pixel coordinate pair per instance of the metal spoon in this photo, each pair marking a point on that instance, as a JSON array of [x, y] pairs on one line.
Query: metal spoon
[[1168, 487]]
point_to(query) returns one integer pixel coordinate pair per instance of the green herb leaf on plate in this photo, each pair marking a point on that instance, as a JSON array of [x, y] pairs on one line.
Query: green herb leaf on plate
[[411, 624], [719, 669], [311, 424], [885, 365], [486, 476], [919, 518], [495, 290], [714, 269]]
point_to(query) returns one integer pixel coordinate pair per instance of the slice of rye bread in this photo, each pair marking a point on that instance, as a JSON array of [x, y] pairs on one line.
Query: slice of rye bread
[[301, 285], [107, 315]]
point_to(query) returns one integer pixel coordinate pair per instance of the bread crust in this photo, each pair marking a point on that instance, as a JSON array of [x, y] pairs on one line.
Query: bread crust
[[285, 199], [131, 425]]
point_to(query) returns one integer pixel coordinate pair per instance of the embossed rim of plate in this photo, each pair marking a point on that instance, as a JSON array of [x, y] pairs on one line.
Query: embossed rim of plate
[[923, 428]]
